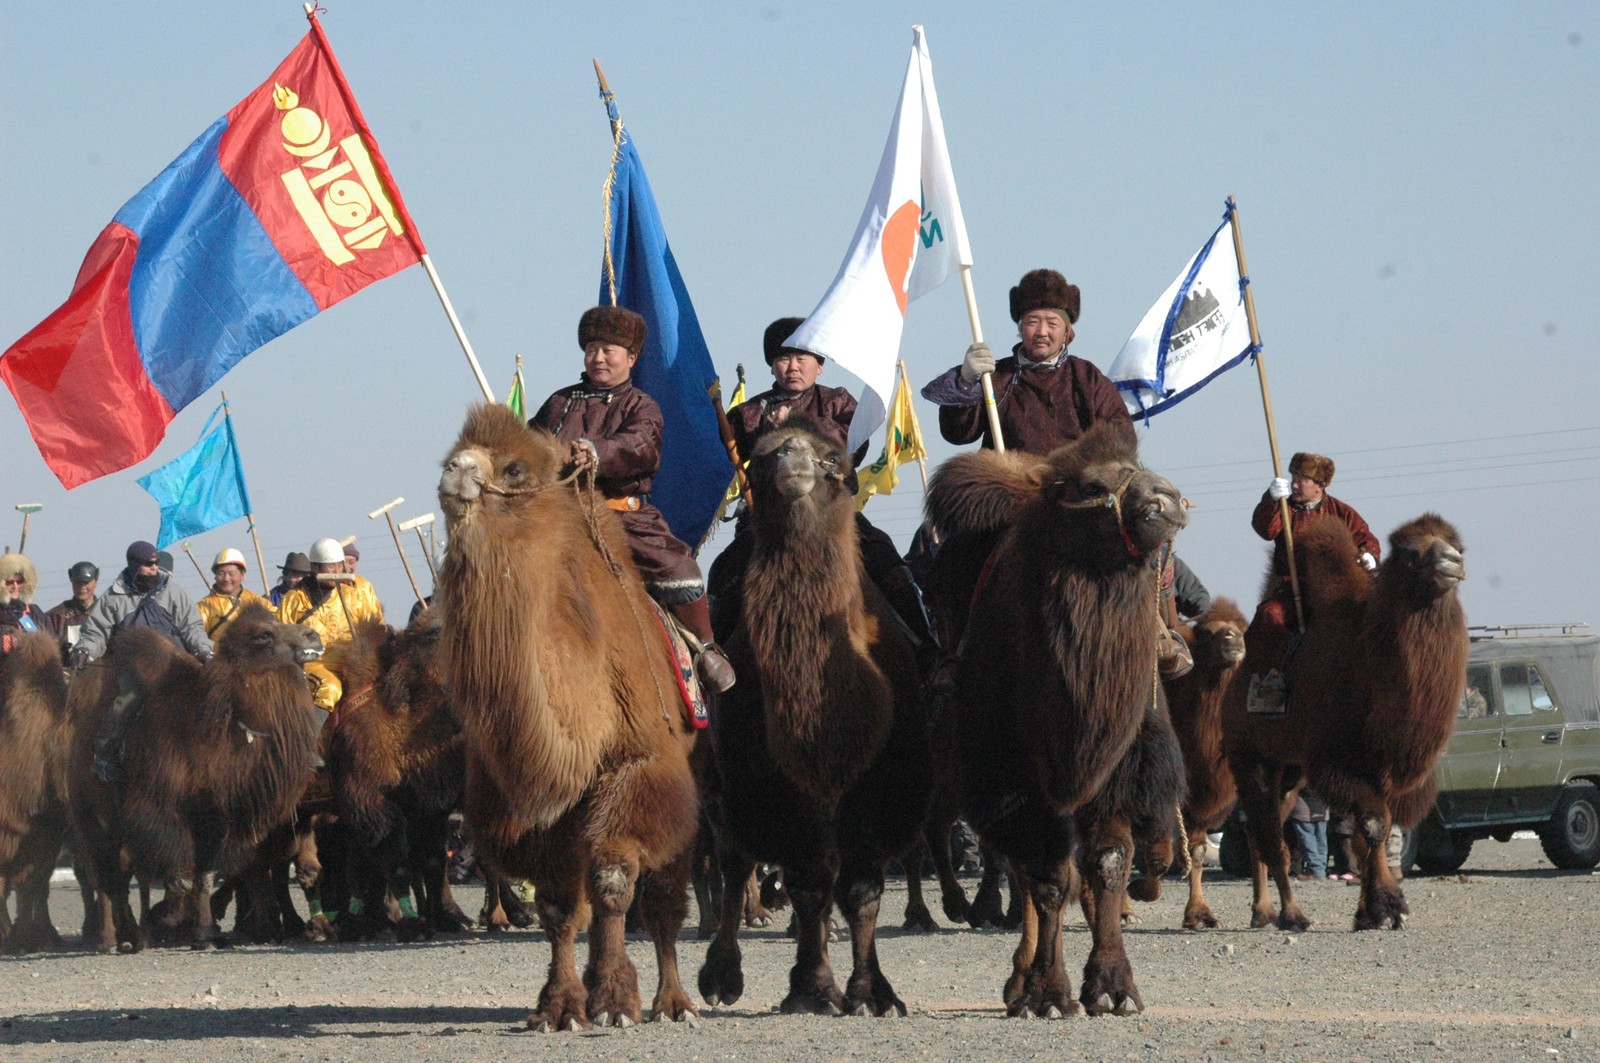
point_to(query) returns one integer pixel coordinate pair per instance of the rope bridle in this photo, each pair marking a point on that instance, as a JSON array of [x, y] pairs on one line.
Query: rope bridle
[[1112, 500]]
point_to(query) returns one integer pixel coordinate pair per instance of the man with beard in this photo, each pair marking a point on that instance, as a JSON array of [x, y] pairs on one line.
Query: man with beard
[[143, 595]]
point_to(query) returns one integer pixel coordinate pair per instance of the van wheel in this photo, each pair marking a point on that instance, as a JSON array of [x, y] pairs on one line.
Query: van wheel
[[1440, 851], [1572, 839]]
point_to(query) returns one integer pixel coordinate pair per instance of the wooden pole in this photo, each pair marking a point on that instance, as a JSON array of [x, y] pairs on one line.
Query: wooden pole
[[27, 509], [250, 518], [383, 511], [196, 564], [417, 523], [977, 337], [725, 430], [1266, 405]]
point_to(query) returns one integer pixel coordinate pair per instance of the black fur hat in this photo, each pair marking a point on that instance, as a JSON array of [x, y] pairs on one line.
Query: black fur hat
[[1044, 289], [612, 324], [777, 332]]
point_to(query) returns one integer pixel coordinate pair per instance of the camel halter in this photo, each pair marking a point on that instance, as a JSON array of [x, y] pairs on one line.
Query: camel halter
[[1113, 502]]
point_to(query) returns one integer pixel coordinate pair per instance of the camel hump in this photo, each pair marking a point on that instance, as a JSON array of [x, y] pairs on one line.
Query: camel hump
[[147, 660], [983, 491]]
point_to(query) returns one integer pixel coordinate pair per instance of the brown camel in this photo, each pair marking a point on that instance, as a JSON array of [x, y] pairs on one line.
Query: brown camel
[[1067, 753], [821, 751], [1216, 640], [399, 770], [1374, 687], [34, 739], [578, 772], [216, 758]]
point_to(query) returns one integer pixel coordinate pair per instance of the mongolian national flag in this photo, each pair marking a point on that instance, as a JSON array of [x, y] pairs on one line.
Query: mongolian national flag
[[902, 442], [1194, 332], [202, 488], [675, 367], [279, 210], [909, 240]]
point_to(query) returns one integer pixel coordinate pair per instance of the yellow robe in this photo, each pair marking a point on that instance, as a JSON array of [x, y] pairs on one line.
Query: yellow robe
[[346, 604]]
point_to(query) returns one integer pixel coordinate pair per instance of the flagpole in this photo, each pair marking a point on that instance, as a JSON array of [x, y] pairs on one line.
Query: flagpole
[[393, 190], [977, 337], [198, 570], [610, 100], [1266, 405], [255, 537]]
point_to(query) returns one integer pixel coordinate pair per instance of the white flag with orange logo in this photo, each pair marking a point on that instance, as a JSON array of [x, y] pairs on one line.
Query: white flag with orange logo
[[910, 239]]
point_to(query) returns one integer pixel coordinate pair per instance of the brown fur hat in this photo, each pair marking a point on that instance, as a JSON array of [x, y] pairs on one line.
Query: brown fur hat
[[1044, 289], [612, 324], [1315, 466], [13, 565], [777, 332]]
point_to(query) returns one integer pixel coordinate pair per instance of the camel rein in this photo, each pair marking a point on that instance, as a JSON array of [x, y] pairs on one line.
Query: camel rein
[[1113, 502]]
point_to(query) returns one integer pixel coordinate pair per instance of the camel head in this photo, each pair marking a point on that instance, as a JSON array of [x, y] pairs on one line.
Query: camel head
[[256, 639], [1095, 487], [496, 461], [797, 462], [1219, 636], [1425, 556]]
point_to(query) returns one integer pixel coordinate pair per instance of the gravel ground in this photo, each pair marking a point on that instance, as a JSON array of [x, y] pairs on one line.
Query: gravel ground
[[1500, 962]]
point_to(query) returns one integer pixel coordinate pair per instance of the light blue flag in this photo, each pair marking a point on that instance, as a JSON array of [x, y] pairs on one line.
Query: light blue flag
[[675, 367], [202, 488]]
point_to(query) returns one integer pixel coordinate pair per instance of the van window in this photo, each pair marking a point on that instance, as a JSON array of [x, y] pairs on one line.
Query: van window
[[1523, 691], [1477, 701]]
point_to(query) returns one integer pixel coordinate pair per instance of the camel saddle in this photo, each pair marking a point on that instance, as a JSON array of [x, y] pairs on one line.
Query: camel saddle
[[691, 698]]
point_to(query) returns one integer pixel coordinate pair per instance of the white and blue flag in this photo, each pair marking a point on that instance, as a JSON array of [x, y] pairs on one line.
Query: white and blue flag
[[1195, 331]]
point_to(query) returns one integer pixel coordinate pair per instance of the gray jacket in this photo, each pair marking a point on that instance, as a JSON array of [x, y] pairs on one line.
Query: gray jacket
[[166, 608]]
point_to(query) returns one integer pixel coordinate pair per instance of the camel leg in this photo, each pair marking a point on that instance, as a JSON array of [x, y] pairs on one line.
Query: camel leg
[[917, 915], [205, 928], [812, 988], [1382, 900], [1108, 986], [1157, 861], [859, 893], [1267, 803], [985, 908], [707, 881], [722, 974], [610, 977], [1013, 992], [756, 914], [663, 906], [1043, 989], [952, 898], [1197, 913], [563, 909]]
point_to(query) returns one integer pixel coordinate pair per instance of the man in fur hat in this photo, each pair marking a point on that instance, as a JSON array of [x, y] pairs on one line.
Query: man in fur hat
[[615, 429], [1045, 396], [1306, 488]]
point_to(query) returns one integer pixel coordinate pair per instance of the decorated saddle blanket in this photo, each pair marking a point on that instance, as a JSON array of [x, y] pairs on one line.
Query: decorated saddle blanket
[[691, 698]]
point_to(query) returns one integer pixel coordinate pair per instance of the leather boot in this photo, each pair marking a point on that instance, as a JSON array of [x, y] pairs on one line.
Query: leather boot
[[107, 764], [711, 664], [905, 597]]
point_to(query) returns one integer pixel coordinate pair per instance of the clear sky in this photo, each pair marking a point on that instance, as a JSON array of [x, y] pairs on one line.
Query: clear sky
[[1417, 186]]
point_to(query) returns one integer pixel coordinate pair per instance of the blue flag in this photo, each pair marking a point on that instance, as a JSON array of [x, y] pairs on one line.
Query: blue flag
[[675, 367], [202, 488]]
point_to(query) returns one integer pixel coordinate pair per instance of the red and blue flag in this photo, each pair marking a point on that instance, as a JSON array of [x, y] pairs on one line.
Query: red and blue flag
[[279, 210]]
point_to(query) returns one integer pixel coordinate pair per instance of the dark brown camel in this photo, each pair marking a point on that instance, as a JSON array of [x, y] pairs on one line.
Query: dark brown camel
[[821, 751], [1374, 688], [399, 770], [1216, 640], [1067, 753], [34, 740], [577, 750], [216, 758]]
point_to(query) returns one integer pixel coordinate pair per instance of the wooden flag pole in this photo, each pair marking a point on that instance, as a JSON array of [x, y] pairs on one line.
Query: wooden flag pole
[[1266, 405], [922, 458], [250, 518], [198, 570], [977, 337], [384, 512]]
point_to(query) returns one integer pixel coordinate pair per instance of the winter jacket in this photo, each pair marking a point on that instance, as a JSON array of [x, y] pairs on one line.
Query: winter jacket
[[164, 608], [622, 423], [1041, 405], [331, 620], [218, 610], [831, 408], [1267, 520]]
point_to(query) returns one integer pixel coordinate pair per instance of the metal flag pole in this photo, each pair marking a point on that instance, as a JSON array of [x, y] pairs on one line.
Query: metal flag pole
[[250, 517], [416, 243], [27, 509], [383, 511], [1266, 405], [977, 337]]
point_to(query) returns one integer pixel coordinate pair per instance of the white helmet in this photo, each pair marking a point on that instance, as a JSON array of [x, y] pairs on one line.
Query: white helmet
[[230, 556], [327, 551]]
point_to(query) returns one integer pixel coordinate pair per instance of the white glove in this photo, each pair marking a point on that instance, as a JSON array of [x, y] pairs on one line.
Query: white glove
[[1278, 489], [1368, 562], [979, 360]]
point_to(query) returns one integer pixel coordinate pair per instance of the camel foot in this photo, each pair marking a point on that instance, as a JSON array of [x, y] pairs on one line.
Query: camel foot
[[919, 918], [411, 929], [954, 904], [985, 909], [1043, 1002], [1292, 918], [872, 995], [1260, 917], [1382, 908], [562, 1007], [614, 995], [722, 975], [671, 1005], [1146, 888], [757, 917], [451, 920], [1108, 987], [813, 992], [1199, 917]]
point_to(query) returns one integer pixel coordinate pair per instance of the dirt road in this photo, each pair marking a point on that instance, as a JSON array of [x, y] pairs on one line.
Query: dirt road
[[1499, 963]]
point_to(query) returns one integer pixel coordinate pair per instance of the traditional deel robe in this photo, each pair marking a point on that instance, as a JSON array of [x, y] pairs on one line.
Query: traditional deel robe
[[1041, 405]]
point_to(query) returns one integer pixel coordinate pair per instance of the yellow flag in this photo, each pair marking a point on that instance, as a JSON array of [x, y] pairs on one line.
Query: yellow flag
[[732, 494], [902, 442]]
